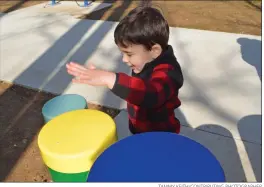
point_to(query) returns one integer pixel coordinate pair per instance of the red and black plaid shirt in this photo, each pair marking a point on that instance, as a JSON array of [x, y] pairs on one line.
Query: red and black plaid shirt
[[152, 94]]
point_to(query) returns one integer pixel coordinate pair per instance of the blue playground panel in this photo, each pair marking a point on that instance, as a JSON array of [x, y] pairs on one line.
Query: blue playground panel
[[61, 104], [156, 157]]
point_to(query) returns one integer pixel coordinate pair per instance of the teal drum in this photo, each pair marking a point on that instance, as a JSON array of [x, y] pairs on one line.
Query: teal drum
[[61, 104]]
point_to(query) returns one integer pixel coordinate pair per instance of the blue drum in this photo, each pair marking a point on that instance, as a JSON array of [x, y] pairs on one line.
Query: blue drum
[[156, 157], [61, 104]]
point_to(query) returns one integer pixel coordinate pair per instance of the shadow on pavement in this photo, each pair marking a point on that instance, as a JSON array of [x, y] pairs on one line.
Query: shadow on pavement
[[250, 129], [251, 53]]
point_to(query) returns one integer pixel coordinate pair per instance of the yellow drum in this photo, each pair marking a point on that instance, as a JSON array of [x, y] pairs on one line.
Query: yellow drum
[[70, 143]]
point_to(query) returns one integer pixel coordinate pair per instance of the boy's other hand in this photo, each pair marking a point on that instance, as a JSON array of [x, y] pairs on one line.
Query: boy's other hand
[[90, 75]]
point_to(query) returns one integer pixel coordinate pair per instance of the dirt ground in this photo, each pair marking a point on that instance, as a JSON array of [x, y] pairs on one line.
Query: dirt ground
[[228, 16], [20, 108], [20, 122]]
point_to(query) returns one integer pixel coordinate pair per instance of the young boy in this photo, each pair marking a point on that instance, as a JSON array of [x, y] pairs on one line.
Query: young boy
[[152, 90]]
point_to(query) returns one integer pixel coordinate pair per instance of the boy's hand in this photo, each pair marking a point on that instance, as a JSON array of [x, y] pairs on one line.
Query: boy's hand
[[91, 75]]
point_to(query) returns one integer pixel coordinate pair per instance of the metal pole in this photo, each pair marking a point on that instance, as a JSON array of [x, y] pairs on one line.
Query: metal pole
[[86, 3], [53, 2]]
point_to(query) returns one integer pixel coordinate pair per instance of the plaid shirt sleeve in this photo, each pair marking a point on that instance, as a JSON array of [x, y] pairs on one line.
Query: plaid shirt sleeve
[[146, 93]]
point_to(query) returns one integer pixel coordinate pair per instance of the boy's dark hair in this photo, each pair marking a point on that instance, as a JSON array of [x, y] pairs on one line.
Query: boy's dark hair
[[143, 25]]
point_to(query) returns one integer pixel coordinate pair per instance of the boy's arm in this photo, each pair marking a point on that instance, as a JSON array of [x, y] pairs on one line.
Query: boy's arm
[[148, 94]]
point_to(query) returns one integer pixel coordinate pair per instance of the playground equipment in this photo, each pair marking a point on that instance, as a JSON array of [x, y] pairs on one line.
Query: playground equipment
[[52, 3], [61, 104], [156, 157], [71, 142], [86, 3]]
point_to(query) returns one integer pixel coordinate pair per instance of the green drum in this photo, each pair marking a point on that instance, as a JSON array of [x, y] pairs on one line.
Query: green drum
[[68, 177]]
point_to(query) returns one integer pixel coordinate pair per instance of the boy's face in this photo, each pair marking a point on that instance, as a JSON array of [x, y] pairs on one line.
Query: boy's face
[[136, 56]]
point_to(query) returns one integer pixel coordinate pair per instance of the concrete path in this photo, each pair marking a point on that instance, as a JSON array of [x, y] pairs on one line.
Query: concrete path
[[221, 93]]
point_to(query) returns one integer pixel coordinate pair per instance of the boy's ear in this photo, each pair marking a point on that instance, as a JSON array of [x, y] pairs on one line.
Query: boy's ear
[[156, 51]]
